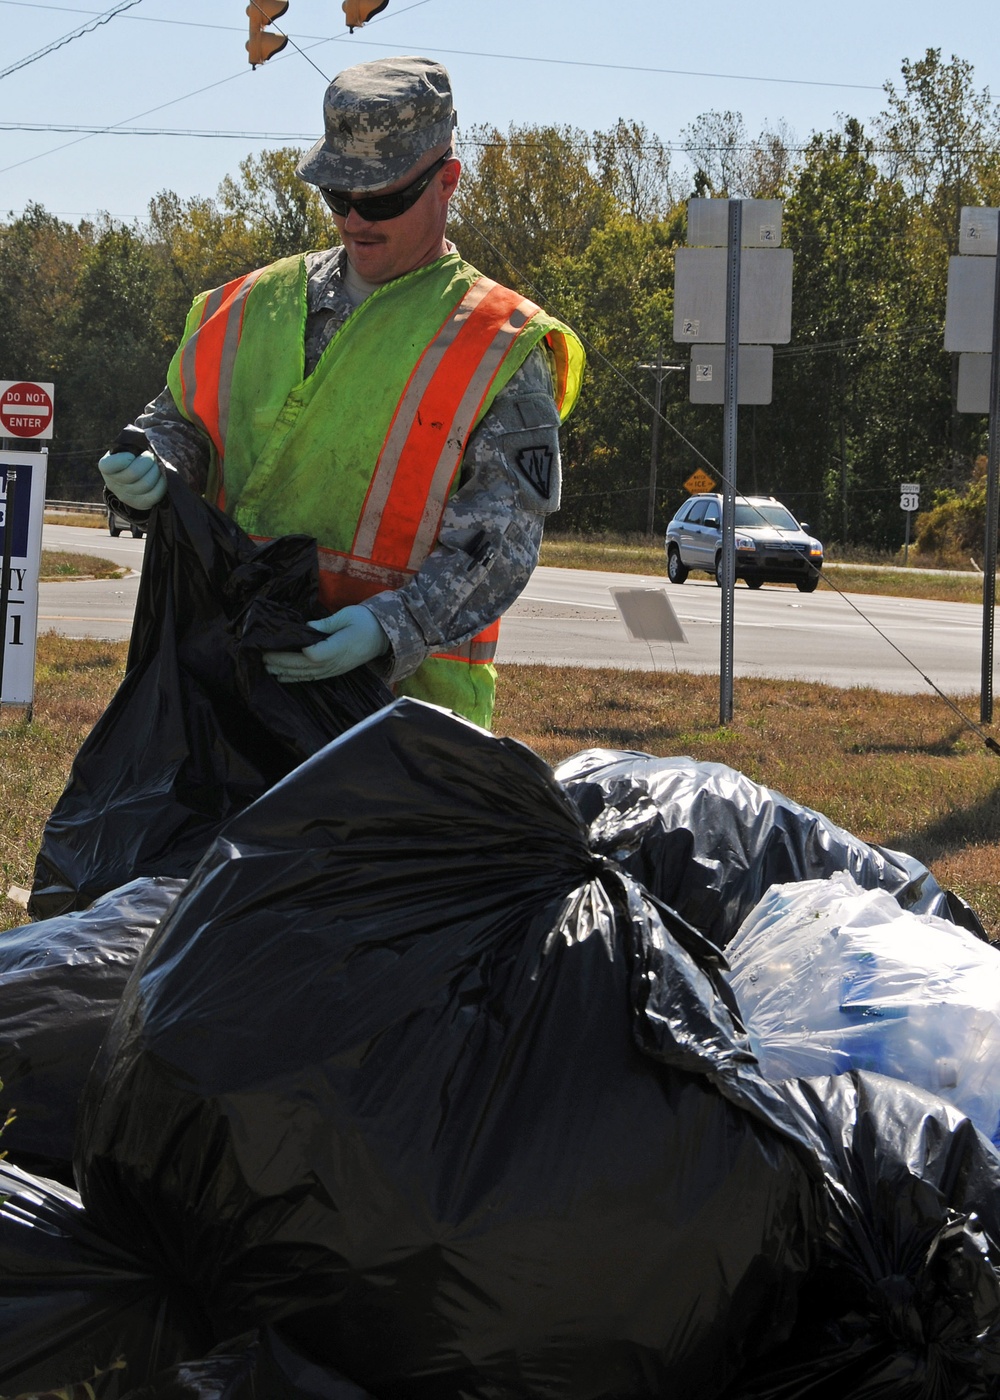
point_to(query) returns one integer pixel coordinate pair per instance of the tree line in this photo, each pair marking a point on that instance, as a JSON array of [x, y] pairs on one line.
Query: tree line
[[587, 225]]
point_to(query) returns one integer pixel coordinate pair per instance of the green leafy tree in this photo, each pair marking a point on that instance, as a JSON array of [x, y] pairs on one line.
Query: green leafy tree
[[618, 296], [729, 163], [939, 137], [115, 349], [526, 196], [264, 214]]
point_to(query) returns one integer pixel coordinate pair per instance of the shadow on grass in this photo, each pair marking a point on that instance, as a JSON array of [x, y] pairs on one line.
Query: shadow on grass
[[946, 746], [950, 834]]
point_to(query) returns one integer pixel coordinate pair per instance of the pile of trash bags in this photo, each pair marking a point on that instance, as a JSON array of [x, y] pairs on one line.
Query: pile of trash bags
[[198, 729], [831, 977], [423, 1087]]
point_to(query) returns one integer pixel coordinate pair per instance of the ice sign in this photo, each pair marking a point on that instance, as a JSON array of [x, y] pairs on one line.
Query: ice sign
[[691, 328], [768, 233], [703, 373]]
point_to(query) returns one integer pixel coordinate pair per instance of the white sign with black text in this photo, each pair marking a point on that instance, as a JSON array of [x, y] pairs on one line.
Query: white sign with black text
[[25, 566]]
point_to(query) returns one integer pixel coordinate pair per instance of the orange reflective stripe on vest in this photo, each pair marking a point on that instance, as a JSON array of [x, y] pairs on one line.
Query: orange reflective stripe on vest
[[207, 360], [478, 651], [426, 441]]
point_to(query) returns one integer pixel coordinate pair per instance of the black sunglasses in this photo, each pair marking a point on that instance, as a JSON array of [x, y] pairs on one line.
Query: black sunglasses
[[376, 208]]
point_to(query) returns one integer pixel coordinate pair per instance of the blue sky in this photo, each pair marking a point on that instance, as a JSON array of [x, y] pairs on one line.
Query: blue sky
[[181, 65]]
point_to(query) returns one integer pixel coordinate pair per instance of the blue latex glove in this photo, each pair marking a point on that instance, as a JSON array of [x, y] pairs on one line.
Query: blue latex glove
[[353, 636], [136, 481]]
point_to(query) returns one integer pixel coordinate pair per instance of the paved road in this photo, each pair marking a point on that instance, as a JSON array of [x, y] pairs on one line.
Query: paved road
[[568, 617], [101, 608]]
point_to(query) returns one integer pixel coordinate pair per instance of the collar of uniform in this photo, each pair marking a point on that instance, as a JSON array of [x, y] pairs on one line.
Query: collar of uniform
[[324, 277]]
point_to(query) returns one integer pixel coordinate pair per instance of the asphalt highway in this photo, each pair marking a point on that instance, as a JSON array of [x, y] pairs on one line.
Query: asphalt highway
[[568, 617]]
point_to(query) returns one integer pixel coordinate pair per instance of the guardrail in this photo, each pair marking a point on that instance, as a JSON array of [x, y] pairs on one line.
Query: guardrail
[[84, 507]]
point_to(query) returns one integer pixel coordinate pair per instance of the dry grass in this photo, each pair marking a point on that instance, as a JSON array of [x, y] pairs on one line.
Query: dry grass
[[74, 680], [898, 770], [59, 564], [98, 520]]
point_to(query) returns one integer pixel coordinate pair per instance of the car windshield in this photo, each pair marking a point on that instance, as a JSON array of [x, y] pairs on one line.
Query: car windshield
[[767, 513]]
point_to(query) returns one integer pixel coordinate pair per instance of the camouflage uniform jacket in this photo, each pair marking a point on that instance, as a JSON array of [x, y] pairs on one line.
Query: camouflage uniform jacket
[[492, 526]]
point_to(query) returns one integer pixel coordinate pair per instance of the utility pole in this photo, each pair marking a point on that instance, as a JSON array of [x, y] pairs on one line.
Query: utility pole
[[659, 369]]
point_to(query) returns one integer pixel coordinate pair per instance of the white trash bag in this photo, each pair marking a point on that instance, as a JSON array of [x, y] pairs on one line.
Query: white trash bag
[[831, 977]]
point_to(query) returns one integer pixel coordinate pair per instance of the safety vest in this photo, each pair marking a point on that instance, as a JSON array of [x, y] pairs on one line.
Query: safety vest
[[364, 452]]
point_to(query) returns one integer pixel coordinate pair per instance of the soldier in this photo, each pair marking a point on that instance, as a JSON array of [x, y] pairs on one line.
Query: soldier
[[382, 396]]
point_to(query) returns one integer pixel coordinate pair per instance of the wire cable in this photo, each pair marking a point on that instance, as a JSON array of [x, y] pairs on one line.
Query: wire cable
[[522, 58], [67, 38], [244, 72]]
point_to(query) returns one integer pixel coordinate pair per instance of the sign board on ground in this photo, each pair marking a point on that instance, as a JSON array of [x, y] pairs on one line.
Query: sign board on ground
[[698, 483], [909, 495], [25, 409], [647, 615], [25, 564]]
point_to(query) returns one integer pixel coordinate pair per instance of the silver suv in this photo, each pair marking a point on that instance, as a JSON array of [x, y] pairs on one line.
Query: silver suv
[[771, 545]]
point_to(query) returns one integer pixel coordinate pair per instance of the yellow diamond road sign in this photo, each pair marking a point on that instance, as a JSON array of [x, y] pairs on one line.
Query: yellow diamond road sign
[[699, 483]]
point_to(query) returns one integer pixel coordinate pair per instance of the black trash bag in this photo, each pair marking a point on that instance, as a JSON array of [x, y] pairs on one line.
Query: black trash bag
[[197, 730], [376, 1082], [76, 1310], [60, 984], [259, 1366], [710, 842], [903, 1301]]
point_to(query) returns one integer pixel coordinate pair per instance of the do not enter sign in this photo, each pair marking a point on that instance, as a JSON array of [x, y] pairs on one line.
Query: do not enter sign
[[25, 409]]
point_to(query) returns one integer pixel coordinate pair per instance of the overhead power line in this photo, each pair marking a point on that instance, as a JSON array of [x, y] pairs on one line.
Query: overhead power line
[[91, 24], [28, 160], [522, 58]]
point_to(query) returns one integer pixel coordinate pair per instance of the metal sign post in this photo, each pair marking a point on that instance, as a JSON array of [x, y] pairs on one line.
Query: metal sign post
[[730, 422], [10, 514], [972, 330], [732, 304], [992, 512]]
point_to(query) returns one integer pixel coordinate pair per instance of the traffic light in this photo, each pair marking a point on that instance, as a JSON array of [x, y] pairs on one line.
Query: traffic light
[[359, 12], [261, 46]]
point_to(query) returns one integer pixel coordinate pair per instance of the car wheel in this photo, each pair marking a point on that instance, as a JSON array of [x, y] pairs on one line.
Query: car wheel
[[718, 570], [113, 529], [807, 585], [137, 534], [754, 582], [676, 571]]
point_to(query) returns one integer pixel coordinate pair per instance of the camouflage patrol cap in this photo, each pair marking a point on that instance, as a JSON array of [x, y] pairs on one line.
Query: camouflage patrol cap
[[380, 118]]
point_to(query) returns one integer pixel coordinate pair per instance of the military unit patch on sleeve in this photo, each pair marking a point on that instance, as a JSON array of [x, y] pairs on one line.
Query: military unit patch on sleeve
[[535, 464]]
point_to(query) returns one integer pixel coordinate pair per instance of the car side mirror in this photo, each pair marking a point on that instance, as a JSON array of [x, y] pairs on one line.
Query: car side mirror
[[803, 524], [712, 522]]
